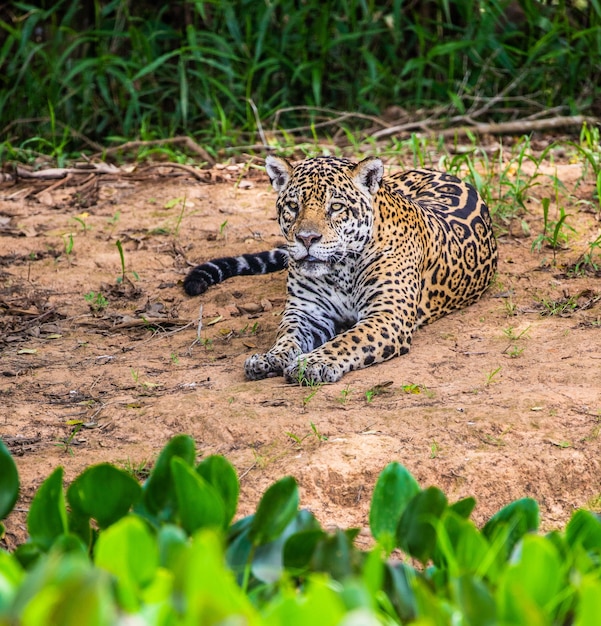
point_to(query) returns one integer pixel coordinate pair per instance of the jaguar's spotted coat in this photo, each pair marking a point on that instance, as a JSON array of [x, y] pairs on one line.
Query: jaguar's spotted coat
[[370, 259]]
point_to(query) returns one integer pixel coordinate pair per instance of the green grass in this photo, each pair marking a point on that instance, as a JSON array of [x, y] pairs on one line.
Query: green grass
[[79, 76]]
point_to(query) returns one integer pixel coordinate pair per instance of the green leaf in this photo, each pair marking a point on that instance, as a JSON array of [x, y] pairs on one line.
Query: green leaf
[[334, 554], [47, 517], [173, 543], [537, 572], [199, 503], [320, 604], [239, 546], [394, 489], [219, 473], [208, 590], [69, 592], [417, 528], [275, 511], [299, 549], [9, 481], [104, 493], [159, 490], [584, 528], [464, 507], [399, 585], [128, 551], [511, 523], [268, 559], [11, 576], [477, 605], [462, 548], [589, 605]]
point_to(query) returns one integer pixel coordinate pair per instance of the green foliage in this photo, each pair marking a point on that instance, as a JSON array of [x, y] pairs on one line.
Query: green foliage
[[9, 484], [76, 73], [168, 553]]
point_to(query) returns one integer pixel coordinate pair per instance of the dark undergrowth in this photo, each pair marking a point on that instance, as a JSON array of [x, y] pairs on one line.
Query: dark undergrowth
[[82, 75]]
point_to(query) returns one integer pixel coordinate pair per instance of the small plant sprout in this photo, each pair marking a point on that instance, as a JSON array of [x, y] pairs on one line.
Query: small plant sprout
[[96, 301], [222, 229], [314, 431], [345, 395], [491, 376], [314, 388], [317, 434], [514, 335], [514, 352], [67, 443], [434, 450], [590, 260], [377, 390], [112, 221], [554, 235], [68, 246], [178, 222], [80, 219], [123, 277]]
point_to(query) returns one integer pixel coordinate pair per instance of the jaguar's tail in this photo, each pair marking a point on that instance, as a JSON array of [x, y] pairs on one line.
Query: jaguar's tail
[[200, 278]]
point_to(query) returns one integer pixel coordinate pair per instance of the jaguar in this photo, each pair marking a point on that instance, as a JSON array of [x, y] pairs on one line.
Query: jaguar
[[370, 258]]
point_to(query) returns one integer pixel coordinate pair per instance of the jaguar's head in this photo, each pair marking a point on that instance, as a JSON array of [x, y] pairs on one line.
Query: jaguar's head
[[325, 208]]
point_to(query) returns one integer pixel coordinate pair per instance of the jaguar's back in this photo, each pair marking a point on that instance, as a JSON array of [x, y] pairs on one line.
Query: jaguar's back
[[460, 256]]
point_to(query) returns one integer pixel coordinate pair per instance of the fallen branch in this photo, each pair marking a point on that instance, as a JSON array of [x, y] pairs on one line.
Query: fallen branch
[[493, 128], [61, 172], [184, 140]]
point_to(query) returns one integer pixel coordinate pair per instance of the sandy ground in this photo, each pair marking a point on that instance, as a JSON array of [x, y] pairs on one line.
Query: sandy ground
[[499, 401]]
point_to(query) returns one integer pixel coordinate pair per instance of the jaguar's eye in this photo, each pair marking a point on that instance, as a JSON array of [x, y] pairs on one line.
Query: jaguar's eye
[[292, 206], [336, 207]]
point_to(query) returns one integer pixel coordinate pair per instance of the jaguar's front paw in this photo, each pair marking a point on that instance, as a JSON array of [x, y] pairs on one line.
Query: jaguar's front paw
[[304, 371], [260, 366]]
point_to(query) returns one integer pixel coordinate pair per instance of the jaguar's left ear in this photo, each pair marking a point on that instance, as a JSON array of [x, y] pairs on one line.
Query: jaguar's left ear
[[368, 174]]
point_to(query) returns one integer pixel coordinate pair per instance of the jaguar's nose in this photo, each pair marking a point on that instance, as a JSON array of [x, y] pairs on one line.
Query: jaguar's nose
[[308, 238]]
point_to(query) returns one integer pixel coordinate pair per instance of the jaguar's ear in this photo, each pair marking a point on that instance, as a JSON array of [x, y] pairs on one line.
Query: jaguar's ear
[[368, 174], [279, 171]]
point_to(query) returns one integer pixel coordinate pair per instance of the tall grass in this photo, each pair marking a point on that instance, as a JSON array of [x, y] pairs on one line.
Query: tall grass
[[115, 69]]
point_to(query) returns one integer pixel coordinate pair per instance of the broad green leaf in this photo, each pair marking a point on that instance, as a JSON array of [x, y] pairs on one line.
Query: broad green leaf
[[299, 549], [104, 493], [394, 489], [588, 608], [199, 503], [159, 490], [209, 590], [69, 543], [511, 523], [417, 528], [275, 511], [172, 542], [537, 571], [9, 481], [28, 554], [268, 559], [463, 507], [584, 528], [319, 605], [68, 592], [128, 551], [47, 517], [462, 548], [239, 546], [335, 554], [219, 473], [399, 581], [477, 605], [11, 576]]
